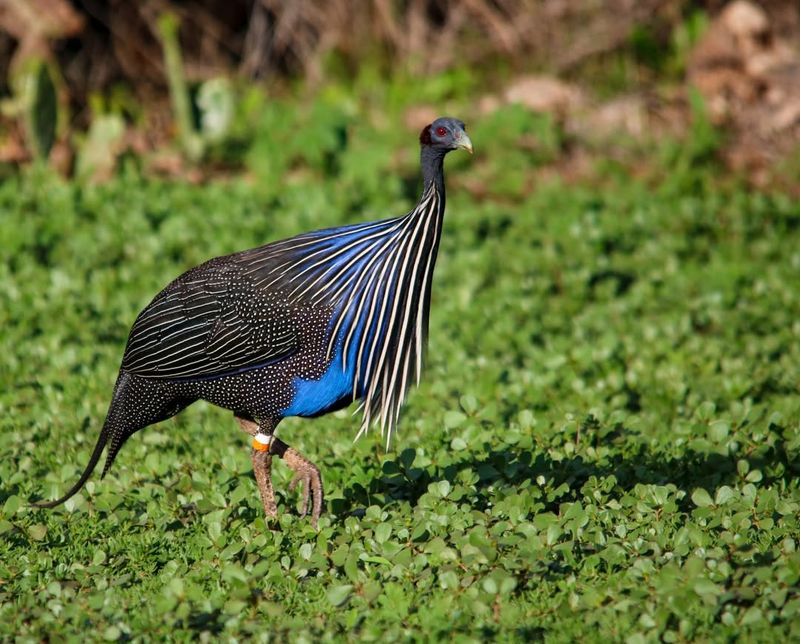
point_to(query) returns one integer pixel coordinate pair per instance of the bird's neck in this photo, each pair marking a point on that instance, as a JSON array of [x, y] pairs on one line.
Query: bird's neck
[[432, 162]]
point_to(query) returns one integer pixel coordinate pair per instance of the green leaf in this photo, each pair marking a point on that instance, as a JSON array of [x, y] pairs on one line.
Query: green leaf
[[382, 532], [468, 403], [339, 556], [98, 154], [718, 430], [338, 595], [230, 551], [176, 587], [453, 419], [12, 504], [705, 586], [507, 584], [37, 531], [440, 488], [553, 534], [234, 607], [752, 615], [215, 98], [724, 495], [701, 498], [753, 476], [42, 107], [706, 410], [234, 572], [448, 579]]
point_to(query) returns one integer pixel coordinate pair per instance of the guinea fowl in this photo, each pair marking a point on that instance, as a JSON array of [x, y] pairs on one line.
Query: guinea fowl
[[299, 327]]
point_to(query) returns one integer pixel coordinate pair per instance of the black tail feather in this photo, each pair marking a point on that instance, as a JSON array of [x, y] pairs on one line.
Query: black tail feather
[[136, 403], [115, 440], [98, 449], [105, 434]]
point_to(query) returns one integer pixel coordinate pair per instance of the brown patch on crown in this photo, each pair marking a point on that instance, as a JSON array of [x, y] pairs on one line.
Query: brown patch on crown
[[425, 135]]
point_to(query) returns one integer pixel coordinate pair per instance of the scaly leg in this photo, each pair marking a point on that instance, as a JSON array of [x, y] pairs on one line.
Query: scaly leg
[[262, 466], [305, 471]]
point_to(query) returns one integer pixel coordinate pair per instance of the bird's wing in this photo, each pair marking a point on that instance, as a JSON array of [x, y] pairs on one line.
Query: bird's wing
[[210, 321], [240, 311]]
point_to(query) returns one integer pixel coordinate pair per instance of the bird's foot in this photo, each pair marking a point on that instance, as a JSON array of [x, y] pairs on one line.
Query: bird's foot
[[308, 474], [305, 472]]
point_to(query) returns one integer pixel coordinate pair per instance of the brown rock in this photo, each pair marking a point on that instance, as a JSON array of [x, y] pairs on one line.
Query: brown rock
[[749, 77], [626, 115], [544, 94]]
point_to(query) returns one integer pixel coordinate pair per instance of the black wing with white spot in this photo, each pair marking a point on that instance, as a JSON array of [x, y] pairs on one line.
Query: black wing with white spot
[[210, 321]]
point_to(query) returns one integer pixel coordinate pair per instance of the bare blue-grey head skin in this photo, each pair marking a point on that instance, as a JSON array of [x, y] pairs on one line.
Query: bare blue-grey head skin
[[446, 134], [298, 327]]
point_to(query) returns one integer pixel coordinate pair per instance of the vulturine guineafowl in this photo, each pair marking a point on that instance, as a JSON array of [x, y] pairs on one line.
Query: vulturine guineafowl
[[299, 327]]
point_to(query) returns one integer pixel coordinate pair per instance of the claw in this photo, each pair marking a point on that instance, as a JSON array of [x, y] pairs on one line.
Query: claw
[[304, 479], [308, 474]]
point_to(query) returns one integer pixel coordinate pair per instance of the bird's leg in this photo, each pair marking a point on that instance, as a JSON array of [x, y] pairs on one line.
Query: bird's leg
[[306, 473], [262, 466]]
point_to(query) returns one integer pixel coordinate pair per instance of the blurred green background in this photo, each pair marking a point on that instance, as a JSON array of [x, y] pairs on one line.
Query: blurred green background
[[201, 89]]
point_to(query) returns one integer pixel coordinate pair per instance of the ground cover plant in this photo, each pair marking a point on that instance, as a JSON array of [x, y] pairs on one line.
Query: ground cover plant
[[605, 444]]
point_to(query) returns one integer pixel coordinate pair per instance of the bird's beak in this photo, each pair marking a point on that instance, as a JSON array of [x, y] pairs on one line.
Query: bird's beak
[[463, 142]]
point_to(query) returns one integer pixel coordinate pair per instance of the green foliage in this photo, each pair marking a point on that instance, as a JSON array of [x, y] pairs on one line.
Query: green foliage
[[606, 438], [524, 140], [285, 138], [665, 49], [179, 93], [215, 100], [97, 153], [42, 111], [684, 37], [35, 102], [693, 160], [655, 53]]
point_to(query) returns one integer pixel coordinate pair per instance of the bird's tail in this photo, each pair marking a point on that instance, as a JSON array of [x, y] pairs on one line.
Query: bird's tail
[[110, 432], [95, 457]]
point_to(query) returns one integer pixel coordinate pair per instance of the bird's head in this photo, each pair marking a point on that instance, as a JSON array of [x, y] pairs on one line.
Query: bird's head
[[446, 134]]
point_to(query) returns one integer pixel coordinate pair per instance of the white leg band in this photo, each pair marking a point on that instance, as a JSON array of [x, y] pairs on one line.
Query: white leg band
[[261, 442]]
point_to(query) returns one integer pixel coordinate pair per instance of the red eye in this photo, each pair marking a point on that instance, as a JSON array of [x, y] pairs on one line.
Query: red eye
[[441, 131]]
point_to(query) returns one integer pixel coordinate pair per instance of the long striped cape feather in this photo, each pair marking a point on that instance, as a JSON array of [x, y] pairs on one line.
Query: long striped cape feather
[[239, 312]]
